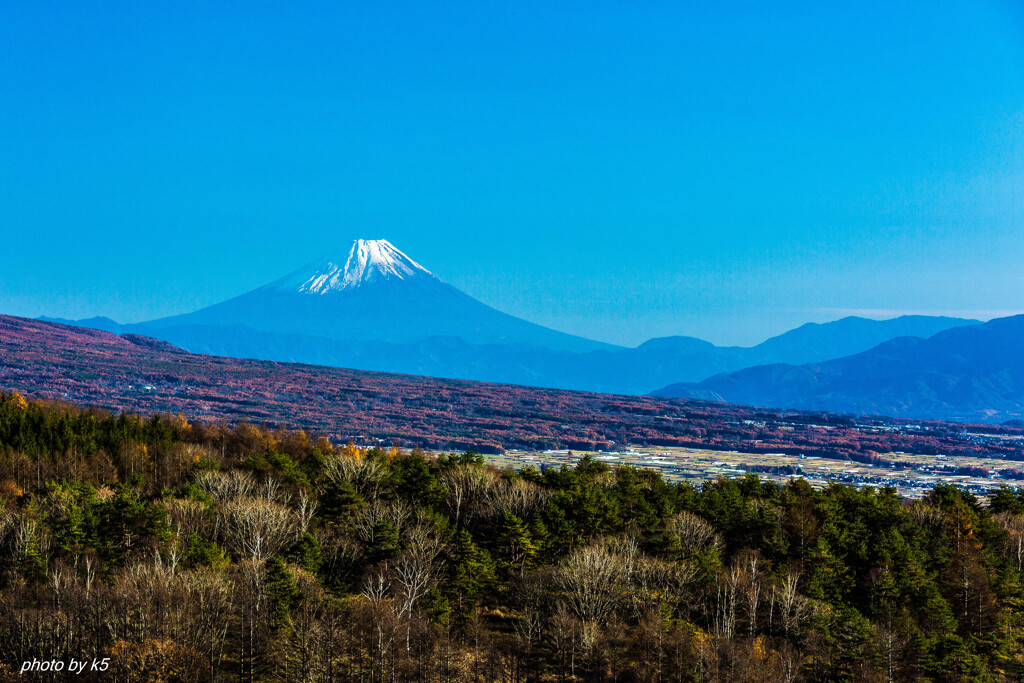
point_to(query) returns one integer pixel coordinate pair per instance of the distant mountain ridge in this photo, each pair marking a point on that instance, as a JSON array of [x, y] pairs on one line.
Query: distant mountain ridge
[[813, 342], [973, 373], [633, 371], [129, 372], [375, 308]]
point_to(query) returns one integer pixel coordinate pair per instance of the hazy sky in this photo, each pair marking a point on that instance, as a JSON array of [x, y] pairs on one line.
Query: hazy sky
[[618, 170]]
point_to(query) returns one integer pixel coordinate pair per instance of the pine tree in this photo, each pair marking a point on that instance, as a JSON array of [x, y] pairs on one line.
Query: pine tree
[[471, 579], [515, 549], [282, 593]]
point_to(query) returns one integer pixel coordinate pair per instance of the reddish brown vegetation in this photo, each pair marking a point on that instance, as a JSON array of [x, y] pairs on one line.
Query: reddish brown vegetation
[[90, 367]]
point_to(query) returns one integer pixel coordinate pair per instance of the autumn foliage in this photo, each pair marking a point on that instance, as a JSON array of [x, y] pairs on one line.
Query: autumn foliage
[[189, 551]]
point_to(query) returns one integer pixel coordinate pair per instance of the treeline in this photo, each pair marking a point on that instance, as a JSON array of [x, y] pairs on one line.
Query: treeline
[[190, 552]]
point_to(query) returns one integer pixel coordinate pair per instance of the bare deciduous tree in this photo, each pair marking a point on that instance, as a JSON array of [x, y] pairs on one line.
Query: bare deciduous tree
[[28, 534], [8, 521], [256, 527], [1013, 525], [224, 486], [654, 581], [592, 580], [416, 567], [465, 486], [752, 590], [306, 510], [693, 532], [925, 515], [272, 490], [533, 601], [377, 585], [519, 497], [339, 551], [366, 476], [726, 597], [187, 516], [395, 512], [792, 607], [415, 570]]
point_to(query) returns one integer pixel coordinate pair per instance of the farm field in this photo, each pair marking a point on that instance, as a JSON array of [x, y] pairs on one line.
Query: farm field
[[912, 475]]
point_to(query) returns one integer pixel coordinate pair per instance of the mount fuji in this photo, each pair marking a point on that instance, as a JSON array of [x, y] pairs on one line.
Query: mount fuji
[[374, 308], [373, 293]]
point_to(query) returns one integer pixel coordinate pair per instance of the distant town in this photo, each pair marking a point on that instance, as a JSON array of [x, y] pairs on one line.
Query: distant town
[[913, 475]]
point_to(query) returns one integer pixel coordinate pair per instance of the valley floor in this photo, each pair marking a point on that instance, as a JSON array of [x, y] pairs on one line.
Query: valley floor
[[911, 475]]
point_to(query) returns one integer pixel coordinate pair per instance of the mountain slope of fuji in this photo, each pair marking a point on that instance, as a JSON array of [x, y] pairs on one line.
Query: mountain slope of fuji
[[973, 373], [376, 292]]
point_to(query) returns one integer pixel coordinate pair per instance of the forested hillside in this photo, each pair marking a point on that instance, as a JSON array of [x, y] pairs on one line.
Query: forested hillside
[[146, 376], [186, 551]]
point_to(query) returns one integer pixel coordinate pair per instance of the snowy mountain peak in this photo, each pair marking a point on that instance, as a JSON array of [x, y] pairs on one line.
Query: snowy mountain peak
[[367, 261]]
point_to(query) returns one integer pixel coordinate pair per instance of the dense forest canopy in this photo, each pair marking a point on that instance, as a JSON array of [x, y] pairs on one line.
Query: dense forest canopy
[[188, 551]]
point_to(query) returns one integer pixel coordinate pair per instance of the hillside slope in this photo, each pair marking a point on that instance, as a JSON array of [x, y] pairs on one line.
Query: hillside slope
[[615, 370], [91, 367], [971, 373]]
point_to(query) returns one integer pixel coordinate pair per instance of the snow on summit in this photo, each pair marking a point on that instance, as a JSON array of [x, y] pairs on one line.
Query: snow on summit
[[356, 296], [367, 261]]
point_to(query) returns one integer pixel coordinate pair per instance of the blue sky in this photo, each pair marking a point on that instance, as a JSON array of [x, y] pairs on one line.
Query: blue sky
[[618, 170]]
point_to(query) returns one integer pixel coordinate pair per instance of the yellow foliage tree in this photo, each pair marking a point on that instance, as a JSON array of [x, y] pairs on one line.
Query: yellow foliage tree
[[324, 445], [353, 452], [158, 661], [9, 491]]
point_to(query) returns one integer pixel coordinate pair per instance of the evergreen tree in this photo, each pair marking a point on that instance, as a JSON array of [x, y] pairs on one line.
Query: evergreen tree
[[514, 547]]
